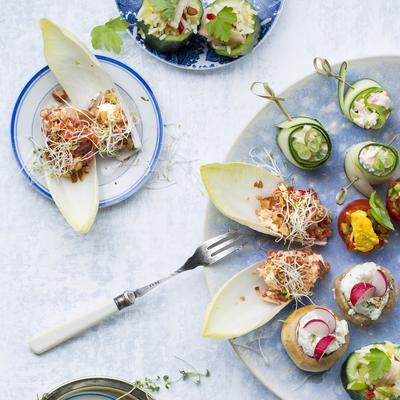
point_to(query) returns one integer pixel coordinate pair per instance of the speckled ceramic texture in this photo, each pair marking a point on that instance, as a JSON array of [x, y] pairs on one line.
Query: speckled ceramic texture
[[196, 54], [315, 96]]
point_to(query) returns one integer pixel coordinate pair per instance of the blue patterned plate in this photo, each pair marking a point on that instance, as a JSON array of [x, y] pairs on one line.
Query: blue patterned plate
[[197, 55], [314, 96], [117, 181]]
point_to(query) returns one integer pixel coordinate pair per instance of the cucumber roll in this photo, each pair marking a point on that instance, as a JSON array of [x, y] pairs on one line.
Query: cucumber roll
[[168, 26], [369, 163], [365, 103], [304, 142], [231, 27]]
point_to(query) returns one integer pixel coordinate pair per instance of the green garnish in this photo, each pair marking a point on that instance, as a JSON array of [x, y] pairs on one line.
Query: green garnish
[[155, 384], [166, 8], [378, 364], [107, 36], [379, 212], [221, 26]]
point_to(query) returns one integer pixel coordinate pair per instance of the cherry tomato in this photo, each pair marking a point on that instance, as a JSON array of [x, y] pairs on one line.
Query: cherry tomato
[[393, 200], [344, 218]]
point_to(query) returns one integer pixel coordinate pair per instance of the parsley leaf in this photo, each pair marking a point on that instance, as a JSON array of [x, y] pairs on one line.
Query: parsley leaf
[[106, 36], [378, 364], [166, 8], [221, 26]]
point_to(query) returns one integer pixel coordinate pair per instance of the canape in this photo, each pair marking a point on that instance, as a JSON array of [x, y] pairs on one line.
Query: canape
[[364, 225], [247, 302], [304, 142], [90, 118], [373, 372], [369, 163], [393, 200], [315, 338], [168, 26], [365, 293], [231, 27], [252, 196]]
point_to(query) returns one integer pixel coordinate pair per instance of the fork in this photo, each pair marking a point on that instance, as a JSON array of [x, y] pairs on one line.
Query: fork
[[208, 253]]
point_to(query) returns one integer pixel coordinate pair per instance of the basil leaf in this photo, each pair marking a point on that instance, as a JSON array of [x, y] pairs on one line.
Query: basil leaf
[[379, 212]]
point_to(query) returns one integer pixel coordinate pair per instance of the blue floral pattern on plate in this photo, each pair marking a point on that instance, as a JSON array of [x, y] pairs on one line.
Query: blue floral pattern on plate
[[196, 54]]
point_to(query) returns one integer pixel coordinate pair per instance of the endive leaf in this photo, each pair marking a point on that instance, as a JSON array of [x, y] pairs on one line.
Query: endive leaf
[[237, 308], [234, 187], [78, 202]]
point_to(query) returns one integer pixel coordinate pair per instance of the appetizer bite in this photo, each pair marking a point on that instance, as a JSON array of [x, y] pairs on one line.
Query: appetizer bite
[[90, 119], [252, 196], [303, 140], [247, 302], [365, 103], [373, 372], [364, 225], [168, 26], [393, 200], [369, 163], [365, 293], [315, 338], [291, 274], [231, 27]]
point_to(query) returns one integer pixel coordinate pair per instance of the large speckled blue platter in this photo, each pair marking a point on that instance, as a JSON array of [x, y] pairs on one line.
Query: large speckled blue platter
[[314, 96], [196, 55]]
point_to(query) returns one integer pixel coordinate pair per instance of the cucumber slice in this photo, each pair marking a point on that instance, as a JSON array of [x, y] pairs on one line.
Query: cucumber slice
[[233, 51], [304, 142], [342, 75], [171, 43], [298, 121]]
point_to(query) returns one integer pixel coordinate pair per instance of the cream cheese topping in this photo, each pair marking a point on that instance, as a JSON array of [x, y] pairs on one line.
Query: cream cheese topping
[[307, 341], [371, 308], [365, 117]]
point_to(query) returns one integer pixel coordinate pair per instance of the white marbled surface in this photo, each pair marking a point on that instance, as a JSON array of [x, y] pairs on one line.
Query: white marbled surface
[[47, 270]]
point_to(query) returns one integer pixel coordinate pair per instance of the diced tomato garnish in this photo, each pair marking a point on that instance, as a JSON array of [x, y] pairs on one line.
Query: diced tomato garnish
[[181, 27], [211, 16]]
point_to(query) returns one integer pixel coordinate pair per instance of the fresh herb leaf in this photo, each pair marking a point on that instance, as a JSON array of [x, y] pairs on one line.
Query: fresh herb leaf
[[166, 8], [378, 364], [221, 26], [379, 212], [106, 36]]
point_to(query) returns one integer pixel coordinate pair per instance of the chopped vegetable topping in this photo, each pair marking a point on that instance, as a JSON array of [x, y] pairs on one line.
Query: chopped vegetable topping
[[295, 215], [371, 108], [291, 274], [377, 159], [72, 137]]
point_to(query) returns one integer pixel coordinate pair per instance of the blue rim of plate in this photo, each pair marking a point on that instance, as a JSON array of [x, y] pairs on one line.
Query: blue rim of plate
[[138, 184], [76, 395], [213, 60]]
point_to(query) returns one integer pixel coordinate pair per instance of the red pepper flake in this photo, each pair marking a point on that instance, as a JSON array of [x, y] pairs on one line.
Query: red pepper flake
[[181, 27], [211, 16]]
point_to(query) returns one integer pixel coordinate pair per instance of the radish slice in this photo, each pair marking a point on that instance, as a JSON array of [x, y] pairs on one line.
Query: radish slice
[[327, 317], [317, 327], [361, 291], [379, 280], [322, 346]]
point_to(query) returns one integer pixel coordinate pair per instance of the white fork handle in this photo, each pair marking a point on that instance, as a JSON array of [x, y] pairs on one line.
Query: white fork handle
[[67, 330]]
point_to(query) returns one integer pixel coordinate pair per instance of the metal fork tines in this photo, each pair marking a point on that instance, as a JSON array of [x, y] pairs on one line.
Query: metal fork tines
[[208, 253]]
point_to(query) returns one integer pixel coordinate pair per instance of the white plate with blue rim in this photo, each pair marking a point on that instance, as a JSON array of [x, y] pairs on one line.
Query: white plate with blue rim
[[117, 180], [196, 55]]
